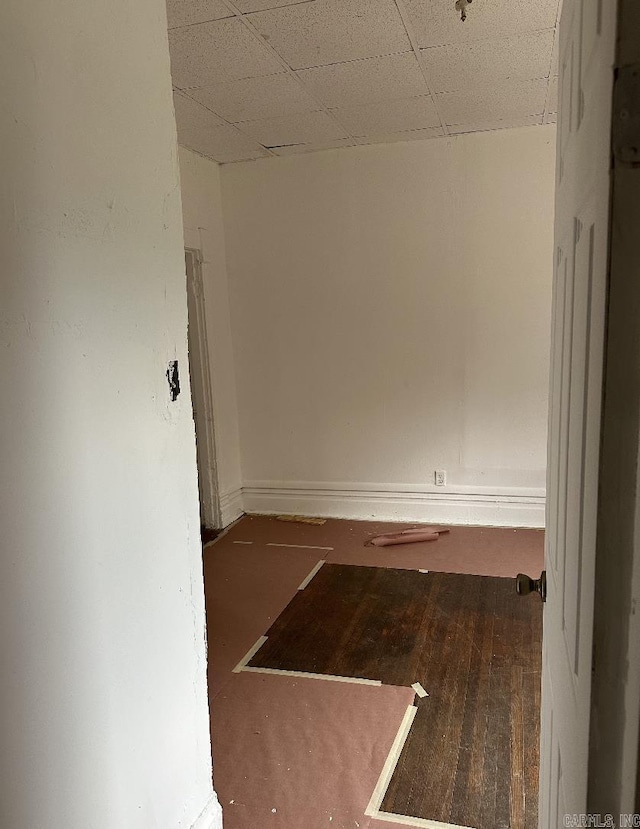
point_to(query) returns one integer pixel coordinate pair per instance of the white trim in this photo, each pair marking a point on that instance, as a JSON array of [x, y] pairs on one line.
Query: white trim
[[390, 763], [311, 574], [231, 506], [354, 680], [484, 506], [253, 650], [211, 815], [422, 823]]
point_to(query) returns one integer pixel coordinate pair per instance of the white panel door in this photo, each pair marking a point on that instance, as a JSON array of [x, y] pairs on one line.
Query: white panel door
[[587, 40]]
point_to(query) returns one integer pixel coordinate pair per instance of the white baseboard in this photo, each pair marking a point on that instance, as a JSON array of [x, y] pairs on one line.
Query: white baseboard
[[484, 506], [211, 815], [231, 507]]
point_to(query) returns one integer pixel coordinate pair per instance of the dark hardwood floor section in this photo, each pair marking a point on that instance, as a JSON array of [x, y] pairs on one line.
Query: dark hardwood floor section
[[471, 758], [472, 755], [353, 621]]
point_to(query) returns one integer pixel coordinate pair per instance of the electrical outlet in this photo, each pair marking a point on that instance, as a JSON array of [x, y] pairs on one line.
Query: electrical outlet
[[440, 477]]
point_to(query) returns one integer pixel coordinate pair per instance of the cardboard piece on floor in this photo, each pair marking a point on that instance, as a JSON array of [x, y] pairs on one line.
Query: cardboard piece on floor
[[302, 519], [310, 750]]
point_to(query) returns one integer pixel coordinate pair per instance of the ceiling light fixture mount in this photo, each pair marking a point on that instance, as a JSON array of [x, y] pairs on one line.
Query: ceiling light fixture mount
[[461, 6]]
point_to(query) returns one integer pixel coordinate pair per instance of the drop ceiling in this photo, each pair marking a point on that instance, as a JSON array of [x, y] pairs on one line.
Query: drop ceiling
[[257, 78]]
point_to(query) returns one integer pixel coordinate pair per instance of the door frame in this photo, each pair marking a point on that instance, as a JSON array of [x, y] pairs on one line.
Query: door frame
[[614, 766], [204, 421]]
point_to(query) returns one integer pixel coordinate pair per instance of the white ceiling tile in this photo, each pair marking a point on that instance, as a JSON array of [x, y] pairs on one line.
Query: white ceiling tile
[[259, 5], [296, 149], [499, 101], [187, 12], [365, 81], [354, 57], [437, 22], [217, 52], [223, 144], [389, 116], [332, 31], [407, 135], [553, 95], [496, 124], [191, 115], [303, 128], [252, 98], [461, 65]]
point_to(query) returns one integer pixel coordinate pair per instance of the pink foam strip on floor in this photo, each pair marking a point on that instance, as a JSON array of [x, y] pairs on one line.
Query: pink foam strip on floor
[[290, 752], [246, 589], [478, 551]]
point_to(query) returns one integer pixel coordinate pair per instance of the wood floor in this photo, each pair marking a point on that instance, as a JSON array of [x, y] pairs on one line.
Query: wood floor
[[471, 757]]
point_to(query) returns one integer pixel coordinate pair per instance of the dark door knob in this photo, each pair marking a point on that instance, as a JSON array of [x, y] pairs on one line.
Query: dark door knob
[[526, 585]]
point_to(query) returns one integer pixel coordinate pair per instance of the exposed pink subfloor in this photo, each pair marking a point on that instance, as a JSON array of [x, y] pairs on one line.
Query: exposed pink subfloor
[[246, 589], [301, 753], [313, 749], [483, 551]]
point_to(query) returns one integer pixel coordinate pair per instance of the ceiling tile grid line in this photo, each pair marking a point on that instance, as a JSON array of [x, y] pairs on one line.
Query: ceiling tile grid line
[[464, 66], [368, 80], [181, 13], [402, 10], [254, 98], [185, 94], [218, 51], [437, 23], [179, 94], [332, 31], [452, 77], [485, 38], [554, 53], [510, 101], [232, 6]]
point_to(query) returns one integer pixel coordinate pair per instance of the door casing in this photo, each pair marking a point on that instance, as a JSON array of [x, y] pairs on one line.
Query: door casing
[[202, 393]]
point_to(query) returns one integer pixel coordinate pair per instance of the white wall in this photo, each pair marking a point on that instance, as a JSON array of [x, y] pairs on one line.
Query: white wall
[[103, 698], [390, 310], [203, 229]]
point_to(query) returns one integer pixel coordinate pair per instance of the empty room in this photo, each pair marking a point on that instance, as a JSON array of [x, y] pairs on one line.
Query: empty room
[[320, 503]]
